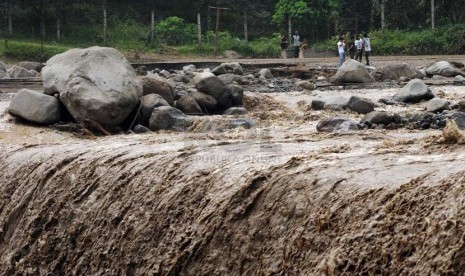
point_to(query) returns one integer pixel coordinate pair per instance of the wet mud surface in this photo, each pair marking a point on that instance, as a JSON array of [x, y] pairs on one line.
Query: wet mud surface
[[277, 199]]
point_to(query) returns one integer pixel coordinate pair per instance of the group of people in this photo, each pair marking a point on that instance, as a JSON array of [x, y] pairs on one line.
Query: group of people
[[297, 46], [357, 46]]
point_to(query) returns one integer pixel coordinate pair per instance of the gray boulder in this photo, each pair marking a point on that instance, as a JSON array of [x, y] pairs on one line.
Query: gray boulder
[[337, 125], [148, 104], [181, 78], [458, 117], [165, 74], [209, 83], [96, 83], [459, 79], [337, 103], [237, 94], [396, 71], [155, 84], [265, 73], [3, 71], [235, 111], [231, 54], [445, 69], [437, 105], [206, 102], [219, 70], [318, 104], [35, 107], [189, 69], [379, 118], [140, 129], [188, 105], [31, 65], [414, 92], [306, 85], [20, 72], [361, 105], [352, 71], [243, 122], [230, 78], [169, 118]]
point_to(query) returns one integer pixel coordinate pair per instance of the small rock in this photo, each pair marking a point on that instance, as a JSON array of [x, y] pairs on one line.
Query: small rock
[[265, 73], [337, 125], [236, 111], [437, 105], [140, 129], [245, 123], [361, 105]]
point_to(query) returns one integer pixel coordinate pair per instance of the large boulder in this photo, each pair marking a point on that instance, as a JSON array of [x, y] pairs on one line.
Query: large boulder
[[148, 104], [414, 92], [96, 83], [396, 71], [230, 78], [31, 65], [237, 94], [352, 71], [437, 105], [379, 118], [188, 105], [20, 72], [169, 118], [208, 83], [445, 69], [228, 68], [35, 107], [337, 103], [337, 125], [155, 84], [206, 102], [360, 105], [265, 73]]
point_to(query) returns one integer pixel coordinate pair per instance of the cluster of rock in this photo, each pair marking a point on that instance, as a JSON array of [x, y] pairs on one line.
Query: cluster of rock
[[99, 85], [353, 71], [24, 69], [437, 112]]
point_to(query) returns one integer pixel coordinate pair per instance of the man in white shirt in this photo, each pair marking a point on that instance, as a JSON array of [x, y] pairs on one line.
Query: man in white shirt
[[367, 48], [359, 45], [341, 49], [296, 44]]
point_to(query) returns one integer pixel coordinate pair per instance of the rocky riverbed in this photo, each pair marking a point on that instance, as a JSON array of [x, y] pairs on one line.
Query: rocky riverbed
[[278, 198]]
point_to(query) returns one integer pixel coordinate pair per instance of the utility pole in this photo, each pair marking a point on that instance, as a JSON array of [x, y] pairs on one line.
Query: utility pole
[[433, 15], [218, 9]]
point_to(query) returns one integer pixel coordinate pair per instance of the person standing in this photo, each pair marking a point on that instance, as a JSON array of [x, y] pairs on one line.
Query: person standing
[[341, 49], [296, 44], [352, 47], [283, 46], [359, 44], [367, 48], [303, 47]]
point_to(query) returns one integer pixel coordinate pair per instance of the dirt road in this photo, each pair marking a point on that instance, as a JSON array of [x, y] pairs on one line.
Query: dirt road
[[277, 199]]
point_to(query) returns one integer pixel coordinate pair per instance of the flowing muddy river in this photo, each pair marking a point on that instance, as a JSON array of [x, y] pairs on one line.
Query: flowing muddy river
[[278, 199]]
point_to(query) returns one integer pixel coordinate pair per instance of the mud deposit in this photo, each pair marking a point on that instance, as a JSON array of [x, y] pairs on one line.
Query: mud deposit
[[279, 199]]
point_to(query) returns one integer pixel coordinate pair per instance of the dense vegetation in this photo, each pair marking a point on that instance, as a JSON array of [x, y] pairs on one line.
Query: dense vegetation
[[55, 25]]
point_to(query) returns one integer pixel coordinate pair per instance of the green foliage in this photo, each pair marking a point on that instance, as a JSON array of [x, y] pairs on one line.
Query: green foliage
[[29, 50], [260, 48], [444, 40], [294, 8], [175, 31]]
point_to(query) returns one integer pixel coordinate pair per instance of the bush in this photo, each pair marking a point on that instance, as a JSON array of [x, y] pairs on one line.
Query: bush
[[174, 31], [29, 51]]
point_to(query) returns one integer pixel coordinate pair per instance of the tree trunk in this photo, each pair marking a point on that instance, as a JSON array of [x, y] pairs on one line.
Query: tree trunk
[[246, 33], [105, 29], [42, 20], [199, 29], [152, 26], [383, 22], [10, 20], [433, 15], [58, 29], [289, 25]]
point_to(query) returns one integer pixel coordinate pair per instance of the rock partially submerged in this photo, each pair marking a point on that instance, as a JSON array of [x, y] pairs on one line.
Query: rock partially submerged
[[352, 71], [414, 92], [35, 107], [337, 125], [396, 72], [96, 83], [445, 69]]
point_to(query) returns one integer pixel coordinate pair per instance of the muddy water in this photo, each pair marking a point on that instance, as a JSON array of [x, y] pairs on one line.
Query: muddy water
[[278, 199]]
